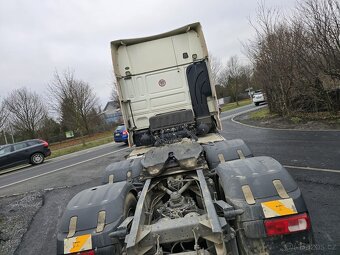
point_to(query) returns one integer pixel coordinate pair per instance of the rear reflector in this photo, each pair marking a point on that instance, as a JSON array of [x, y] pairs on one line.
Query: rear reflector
[[91, 252], [287, 225]]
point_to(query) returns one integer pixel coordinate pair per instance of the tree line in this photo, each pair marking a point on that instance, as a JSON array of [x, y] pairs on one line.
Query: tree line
[[296, 59], [231, 79], [70, 105]]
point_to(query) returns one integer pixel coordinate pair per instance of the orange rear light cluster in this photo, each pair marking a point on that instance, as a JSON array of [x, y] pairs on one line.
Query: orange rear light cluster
[[287, 225]]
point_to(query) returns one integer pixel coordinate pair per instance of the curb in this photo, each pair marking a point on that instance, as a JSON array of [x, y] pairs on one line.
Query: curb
[[14, 169]]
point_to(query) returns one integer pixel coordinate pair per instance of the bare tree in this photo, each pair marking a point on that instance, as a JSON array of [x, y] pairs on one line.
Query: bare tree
[[230, 78], [3, 115], [114, 95], [74, 101], [291, 57], [215, 67], [322, 20], [26, 112]]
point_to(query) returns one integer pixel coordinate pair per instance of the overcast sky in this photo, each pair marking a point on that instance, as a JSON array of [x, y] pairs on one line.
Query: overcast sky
[[39, 37]]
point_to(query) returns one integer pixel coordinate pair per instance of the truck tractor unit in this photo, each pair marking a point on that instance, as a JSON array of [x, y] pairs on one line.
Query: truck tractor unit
[[183, 189]]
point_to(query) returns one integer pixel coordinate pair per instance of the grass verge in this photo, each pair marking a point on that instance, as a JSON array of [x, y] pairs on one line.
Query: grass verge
[[303, 121], [261, 114], [77, 141], [296, 117], [80, 147], [231, 106]]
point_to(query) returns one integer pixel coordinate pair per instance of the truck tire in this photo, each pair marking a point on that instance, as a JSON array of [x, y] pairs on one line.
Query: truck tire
[[129, 205], [129, 210]]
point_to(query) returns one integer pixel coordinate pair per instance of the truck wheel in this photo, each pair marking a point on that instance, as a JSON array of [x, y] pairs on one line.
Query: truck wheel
[[257, 104], [129, 210], [37, 158], [129, 205]]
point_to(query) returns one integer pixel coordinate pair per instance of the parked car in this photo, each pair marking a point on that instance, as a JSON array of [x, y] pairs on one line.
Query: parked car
[[121, 134], [30, 151], [258, 97]]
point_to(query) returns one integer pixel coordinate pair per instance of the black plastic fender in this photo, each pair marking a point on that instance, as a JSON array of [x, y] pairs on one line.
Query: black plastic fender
[[86, 206], [126, 170], [259, 173], [230, 149]]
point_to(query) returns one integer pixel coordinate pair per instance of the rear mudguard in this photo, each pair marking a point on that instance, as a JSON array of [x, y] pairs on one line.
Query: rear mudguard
[[86, 206], [227, 150], [246, 183], [126, 170]]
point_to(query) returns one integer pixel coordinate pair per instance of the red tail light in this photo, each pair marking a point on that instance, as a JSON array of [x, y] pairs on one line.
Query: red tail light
[[44, 143], [91, 252], [287, 225], [125, 132]]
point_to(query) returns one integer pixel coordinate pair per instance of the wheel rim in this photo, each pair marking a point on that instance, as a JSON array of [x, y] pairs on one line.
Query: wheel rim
[[37, 158]]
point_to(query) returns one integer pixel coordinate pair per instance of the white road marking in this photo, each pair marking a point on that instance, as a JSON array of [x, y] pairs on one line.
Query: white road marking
[[314, 169], [62, 168], [48, 161]]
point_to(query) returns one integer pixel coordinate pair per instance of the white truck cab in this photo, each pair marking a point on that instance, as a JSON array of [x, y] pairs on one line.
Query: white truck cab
[[165, 87]]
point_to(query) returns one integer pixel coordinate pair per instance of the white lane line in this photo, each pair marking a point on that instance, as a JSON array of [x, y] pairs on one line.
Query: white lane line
[[49, 161], [62, 168], [314, 169]]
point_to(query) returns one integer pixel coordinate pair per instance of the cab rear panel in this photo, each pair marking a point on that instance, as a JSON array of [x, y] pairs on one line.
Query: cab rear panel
[[166, 73]]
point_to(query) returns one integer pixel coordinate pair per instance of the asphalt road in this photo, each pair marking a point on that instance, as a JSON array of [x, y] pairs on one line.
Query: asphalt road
[[313, 159], [42, 192], [17, 180]]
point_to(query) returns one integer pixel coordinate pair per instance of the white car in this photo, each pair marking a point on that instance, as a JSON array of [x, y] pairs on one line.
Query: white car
[[258, 97]]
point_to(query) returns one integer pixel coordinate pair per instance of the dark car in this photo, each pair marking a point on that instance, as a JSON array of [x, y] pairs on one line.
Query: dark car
[[121, 134], [30, 151]]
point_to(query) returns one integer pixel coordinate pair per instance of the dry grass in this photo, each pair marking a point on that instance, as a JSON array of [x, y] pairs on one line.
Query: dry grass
[[231, 106], [78, 140], [261, 114], [80, 147]]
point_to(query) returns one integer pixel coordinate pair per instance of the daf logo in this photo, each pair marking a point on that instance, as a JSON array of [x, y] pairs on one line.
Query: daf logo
[[162, 82]]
